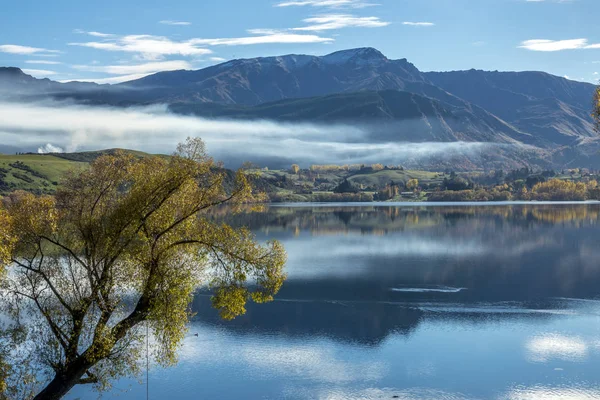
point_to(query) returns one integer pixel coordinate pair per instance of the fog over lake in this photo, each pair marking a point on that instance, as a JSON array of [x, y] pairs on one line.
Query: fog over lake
[[418, 302]]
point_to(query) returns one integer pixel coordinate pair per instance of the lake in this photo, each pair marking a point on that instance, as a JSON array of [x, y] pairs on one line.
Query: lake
[[406, 301]]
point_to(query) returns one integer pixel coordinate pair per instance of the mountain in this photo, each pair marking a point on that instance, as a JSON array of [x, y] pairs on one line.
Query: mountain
[[546, 113], [14, 82], [393, 116], [265, 79], [551, 107]]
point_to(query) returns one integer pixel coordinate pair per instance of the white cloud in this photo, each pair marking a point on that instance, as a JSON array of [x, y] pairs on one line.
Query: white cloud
[[418, 23], [26, 50], [147, 68], [327, 3], [49, 148], [557, 45], [149, 45], [44, 62], [170, 22], [339, 21], [154, 47], [39, 72], [95, 34], [263, 37], [217, 59]]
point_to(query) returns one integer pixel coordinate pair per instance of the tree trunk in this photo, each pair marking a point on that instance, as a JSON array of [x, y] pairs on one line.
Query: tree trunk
[[60, 385]]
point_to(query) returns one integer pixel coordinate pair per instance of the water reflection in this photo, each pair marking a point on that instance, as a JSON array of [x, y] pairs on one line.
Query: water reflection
[[359, 274], [408, 302], [546, 347]]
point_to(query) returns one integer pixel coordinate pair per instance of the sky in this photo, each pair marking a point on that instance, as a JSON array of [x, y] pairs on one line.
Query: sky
[[112, 41]]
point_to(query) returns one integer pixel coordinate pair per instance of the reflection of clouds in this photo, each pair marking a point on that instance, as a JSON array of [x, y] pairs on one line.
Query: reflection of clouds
[[305, 251], [387, 393], [403, 245], [552, 393], [307, 360], [546, 347], [421, 368], [318, 364]]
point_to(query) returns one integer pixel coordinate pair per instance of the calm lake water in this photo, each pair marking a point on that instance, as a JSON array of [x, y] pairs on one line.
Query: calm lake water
[[409, 302]]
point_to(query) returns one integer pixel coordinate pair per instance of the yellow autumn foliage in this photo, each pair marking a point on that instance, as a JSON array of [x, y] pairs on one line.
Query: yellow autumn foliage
[[123, 243]]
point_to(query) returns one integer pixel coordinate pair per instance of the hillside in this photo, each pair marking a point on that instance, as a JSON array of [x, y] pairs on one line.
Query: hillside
[[42, 173], [33, 172]]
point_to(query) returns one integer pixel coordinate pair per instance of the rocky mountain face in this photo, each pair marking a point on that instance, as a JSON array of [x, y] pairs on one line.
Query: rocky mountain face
[[259, 80]]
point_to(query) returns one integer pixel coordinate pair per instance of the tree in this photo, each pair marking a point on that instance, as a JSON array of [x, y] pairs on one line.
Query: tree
[[295, 169], [346, 187], [456, 183], [559, 190], [248, 165], [123, 244], [412, 184]]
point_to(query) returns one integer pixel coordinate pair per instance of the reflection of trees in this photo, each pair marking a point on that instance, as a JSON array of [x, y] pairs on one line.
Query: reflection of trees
[[385, 219], [566, 214]]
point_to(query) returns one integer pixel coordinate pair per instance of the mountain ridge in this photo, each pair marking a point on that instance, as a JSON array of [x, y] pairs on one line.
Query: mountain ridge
[[531, 108]]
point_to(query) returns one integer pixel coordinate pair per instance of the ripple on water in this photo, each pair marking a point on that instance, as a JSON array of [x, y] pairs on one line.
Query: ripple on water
[[552, 393], [428, 289]]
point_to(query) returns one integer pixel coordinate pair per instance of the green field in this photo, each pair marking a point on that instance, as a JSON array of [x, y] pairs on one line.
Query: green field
[[38, 173], [42, 173], [382, 178]]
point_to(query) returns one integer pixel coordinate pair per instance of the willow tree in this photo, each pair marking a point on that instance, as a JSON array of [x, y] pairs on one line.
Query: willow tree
[[124, 244]]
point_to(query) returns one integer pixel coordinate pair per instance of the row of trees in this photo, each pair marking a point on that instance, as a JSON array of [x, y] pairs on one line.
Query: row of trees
[[348, 167], [552, 190]]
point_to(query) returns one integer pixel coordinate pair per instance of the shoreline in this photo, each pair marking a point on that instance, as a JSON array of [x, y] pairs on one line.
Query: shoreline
[[431, 204]]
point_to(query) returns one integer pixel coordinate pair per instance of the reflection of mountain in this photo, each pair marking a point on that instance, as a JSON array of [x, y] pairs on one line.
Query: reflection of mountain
[[365, 323], [345, 262], [308, 309]]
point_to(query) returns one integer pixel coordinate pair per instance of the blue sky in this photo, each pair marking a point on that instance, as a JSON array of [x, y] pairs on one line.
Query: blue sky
[[111, 41]]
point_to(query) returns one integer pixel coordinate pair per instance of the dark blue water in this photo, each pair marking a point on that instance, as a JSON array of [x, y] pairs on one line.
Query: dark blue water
[[453, 302]]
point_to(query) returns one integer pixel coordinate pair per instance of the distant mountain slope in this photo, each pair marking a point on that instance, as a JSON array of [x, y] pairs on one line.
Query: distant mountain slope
[[391, 114], [553, 108], [14, 82]]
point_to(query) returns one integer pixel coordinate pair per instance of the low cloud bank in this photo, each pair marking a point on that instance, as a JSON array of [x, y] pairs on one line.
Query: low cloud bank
[[54, 126]]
